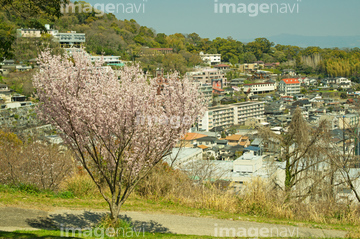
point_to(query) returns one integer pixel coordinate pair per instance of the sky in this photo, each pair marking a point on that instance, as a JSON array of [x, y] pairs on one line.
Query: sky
[[308, 17]]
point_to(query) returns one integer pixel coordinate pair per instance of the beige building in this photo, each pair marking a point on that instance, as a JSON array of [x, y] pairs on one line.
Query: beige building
[[208, 76], [228, 115]]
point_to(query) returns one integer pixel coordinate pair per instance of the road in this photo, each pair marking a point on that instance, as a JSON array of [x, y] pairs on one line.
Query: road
[[27, 219]]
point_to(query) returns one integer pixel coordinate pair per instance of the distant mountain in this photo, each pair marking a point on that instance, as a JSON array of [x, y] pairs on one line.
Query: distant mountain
[[321, 41]]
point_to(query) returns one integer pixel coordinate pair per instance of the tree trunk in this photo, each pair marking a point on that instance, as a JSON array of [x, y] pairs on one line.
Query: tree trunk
[[114, 212]]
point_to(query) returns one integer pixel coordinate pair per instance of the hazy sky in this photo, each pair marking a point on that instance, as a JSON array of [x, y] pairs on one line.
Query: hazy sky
[[309, 17]]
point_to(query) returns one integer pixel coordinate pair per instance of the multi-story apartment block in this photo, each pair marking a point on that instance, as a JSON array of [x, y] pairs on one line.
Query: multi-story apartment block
[[208, 76], [206, 90], [289, 86], [349, 121], [228, 115], [70, 39], [259, 88], [210, 59]]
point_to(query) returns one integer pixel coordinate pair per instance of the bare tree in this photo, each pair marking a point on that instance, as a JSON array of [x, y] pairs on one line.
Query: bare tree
[[301, 150]]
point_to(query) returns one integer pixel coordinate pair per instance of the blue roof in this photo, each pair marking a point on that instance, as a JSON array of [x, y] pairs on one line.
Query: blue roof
[[252, 148]]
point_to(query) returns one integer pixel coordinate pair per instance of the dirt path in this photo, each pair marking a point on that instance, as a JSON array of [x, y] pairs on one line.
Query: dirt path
[[16, 218]]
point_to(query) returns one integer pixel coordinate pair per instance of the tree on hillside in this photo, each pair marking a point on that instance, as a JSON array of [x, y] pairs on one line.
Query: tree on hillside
[[27, 14], [118, 129]]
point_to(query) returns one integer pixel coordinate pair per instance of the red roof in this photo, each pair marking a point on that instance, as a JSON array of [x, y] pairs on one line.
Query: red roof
[[291, 81], [217, 89]]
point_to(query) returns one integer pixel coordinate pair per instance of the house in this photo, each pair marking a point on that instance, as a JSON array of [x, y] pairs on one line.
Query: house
[[23, 68], [303, 103], [222, 67], [207, 141], [189, 140], [237, 81], [289, 86], [231, 152], [234, 139], [259, 88], [250, 67], [289, 72], [255, 150], [4, 87]]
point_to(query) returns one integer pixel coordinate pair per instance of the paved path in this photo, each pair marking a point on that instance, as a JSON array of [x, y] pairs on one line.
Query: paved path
[[16, 218]]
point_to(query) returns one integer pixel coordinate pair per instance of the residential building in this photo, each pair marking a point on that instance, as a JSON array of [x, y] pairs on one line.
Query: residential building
[[4, 87], [251, 67], [248, 163], [259, 88], [23, 68], [222, 67], [211, 76], [228, 115], [332, 120], [210, 59], [238, 81], [70, 39], [349, 121], [35, 33], [190, 140], [289, 72], [206, 90], [156, 51], [289, 86], [107, 59]]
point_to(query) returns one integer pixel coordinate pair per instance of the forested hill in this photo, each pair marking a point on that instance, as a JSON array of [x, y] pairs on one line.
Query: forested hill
[[127, 38]]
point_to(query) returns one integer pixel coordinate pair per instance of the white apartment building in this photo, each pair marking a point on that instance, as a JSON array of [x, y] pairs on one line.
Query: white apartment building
[[207, 76], [289, 86], [210, 59], [259, 88], [228, 115], [70, 39], [107, 59]]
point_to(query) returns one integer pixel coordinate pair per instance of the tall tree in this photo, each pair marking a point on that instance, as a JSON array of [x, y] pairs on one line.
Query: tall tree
[[118, 129]]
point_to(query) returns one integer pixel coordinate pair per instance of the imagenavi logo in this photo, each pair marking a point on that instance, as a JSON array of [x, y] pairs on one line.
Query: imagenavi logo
[[254, 9]]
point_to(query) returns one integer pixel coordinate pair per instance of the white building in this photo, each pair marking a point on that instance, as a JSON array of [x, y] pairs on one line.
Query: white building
[[211, 59], [228, 115], [259, 88], [181, 156], [107, 59], [289, 86], [247, 163]]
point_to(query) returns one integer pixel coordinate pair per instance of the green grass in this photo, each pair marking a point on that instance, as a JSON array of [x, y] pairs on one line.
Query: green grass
[[15, 197]]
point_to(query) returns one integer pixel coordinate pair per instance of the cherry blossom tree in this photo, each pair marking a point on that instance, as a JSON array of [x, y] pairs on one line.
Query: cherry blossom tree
[[119, 126]]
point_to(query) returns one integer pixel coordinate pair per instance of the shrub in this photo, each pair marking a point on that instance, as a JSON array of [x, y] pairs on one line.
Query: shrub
[[81, 186], [39, 164]]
